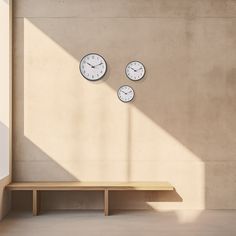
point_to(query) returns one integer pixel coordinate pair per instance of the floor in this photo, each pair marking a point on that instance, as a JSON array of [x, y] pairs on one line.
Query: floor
[[130, 223]]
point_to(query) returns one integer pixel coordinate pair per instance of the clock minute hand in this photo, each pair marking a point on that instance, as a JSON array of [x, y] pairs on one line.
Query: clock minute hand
[[98, 64]]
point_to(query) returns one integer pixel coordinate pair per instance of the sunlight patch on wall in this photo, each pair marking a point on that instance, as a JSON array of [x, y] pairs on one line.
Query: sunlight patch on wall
[[71, 119], [152, 141]]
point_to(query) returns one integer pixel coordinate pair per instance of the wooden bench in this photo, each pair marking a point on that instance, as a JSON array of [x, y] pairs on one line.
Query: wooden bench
[[106, 187]]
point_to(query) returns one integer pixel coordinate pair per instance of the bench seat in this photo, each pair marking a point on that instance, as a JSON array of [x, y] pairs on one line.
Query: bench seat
[[36, 187]]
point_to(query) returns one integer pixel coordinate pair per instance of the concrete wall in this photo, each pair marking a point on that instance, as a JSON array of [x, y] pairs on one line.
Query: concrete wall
[[180, 127], [5, 103]]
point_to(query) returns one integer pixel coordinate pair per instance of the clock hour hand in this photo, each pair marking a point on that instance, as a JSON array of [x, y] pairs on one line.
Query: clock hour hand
[[124, 92], [90, 65], [133, 69]]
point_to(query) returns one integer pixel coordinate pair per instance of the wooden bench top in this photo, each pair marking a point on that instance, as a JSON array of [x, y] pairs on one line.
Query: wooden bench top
[[90, 186]]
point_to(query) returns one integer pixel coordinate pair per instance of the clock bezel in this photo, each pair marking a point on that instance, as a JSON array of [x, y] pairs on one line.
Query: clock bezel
[[119, 90], [143, 68], [93, 80]]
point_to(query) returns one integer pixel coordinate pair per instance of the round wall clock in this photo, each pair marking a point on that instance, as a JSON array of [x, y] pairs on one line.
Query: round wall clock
[[125, 93], [135, 70], [93, 67]]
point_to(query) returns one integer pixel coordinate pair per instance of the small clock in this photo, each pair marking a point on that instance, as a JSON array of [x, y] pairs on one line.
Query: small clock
[[135, 70], [93, 67], [125, 93]]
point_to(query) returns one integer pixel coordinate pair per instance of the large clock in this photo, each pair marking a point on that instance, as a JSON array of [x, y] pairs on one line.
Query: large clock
[[125, 93], [93, 67], [135, 70]]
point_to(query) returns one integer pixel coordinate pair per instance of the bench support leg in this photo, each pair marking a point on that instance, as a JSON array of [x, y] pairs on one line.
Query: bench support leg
[[36, 201], [106, 202]]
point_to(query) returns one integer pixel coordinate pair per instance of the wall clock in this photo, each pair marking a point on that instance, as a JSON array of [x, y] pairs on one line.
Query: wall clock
[[125, 93], [93, 67], [135, 70]]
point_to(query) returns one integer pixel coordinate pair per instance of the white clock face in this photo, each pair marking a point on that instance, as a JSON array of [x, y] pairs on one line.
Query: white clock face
[[135, 70], [93, 67], [125, 93]]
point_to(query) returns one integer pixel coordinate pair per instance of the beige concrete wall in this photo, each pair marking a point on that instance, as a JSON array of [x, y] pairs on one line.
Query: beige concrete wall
[[5, 103], [180, 127]]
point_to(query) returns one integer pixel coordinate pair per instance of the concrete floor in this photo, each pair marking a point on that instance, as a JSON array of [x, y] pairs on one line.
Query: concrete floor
[[135, 223]]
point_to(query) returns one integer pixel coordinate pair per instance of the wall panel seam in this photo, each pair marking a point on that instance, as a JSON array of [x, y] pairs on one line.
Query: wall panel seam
[[102, 17]]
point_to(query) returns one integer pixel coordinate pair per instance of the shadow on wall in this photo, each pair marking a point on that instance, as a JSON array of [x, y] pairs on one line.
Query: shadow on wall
[[188, 90]]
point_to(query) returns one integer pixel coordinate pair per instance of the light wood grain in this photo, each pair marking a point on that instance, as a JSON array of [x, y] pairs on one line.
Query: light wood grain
[[36, 201], [90, 186], [106, 202]]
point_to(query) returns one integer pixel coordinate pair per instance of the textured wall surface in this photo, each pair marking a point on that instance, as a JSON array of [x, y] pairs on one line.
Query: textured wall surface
[[181, 126]]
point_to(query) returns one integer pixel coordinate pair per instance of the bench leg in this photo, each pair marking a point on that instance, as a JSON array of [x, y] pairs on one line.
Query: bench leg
[[36, 202], [106, 202]]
